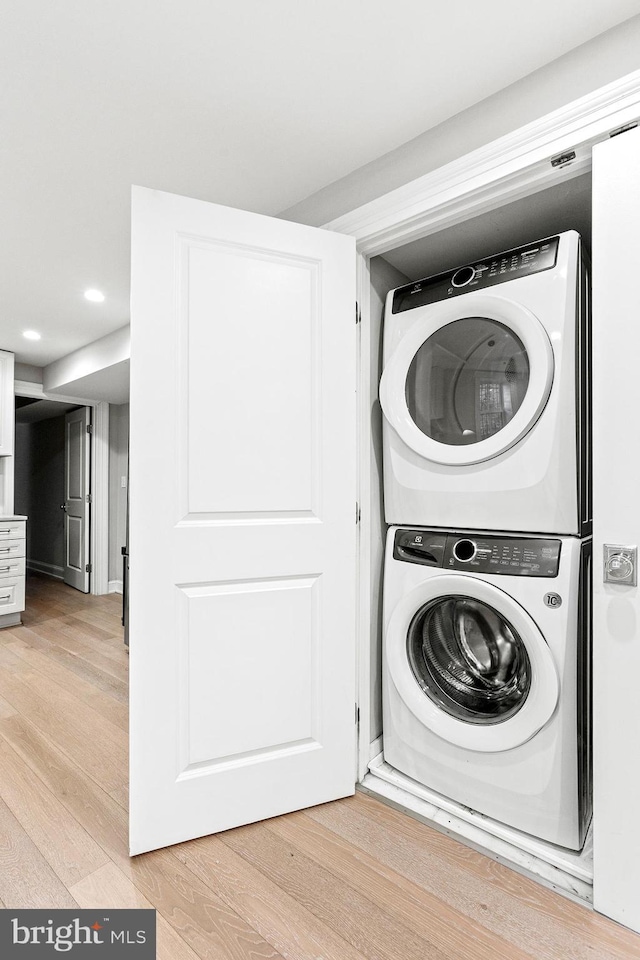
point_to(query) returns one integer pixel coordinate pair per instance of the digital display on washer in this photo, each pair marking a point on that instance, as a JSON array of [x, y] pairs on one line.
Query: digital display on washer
[[480, 553], [521, 261]]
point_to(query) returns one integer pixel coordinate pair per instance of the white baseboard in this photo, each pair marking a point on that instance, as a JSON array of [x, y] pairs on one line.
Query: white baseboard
[[51, 569], [115, 586]]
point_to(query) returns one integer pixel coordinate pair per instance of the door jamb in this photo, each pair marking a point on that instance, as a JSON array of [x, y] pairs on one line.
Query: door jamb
[[99, 480]]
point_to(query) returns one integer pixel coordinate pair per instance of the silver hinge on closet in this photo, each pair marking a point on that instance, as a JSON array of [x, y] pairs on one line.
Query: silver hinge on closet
[[563, 159], [358, 316], [89, 428], [357, 714], [88, 568], [357, 513], [89, 498]]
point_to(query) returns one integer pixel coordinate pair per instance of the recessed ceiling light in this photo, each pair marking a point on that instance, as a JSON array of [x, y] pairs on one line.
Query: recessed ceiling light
[[96, 296], [31, 335]]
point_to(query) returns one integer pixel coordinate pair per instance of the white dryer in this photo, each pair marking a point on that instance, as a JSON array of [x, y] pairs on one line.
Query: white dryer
[[485, 394], [486, 675]]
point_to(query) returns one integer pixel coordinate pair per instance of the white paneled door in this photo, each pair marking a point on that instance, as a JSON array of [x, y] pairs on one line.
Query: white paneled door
[[616, 521], [76, 506], [242, 524]]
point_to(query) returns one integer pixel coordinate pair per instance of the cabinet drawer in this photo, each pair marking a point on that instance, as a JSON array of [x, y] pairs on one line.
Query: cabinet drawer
[[11, 595], [12, 548], [12, 566], [12, 529]]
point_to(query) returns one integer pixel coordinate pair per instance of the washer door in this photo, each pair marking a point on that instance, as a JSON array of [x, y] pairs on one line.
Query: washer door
[[468, 380], [471, 664]]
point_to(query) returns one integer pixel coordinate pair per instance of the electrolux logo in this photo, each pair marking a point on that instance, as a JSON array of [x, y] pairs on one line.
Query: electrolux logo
[[48, 933]]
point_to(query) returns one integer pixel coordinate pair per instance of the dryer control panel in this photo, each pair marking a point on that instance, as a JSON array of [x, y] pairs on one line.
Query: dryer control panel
[[519, 262], [479, 553]]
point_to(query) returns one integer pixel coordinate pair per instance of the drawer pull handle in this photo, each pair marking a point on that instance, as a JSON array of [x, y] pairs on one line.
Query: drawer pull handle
[[7, 596], [4, 569], [5, 550]]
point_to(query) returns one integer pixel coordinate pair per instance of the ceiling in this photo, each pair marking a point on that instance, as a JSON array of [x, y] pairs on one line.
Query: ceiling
[[247, 103]]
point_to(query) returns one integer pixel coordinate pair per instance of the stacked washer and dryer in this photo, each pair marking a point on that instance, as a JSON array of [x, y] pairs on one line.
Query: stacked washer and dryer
[[486, 432]]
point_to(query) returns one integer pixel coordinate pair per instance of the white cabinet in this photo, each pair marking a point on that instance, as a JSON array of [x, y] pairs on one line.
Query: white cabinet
[[7, 404], [12, 569]]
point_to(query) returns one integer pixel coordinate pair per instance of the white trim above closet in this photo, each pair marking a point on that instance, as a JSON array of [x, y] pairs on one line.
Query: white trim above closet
[[516, 165]]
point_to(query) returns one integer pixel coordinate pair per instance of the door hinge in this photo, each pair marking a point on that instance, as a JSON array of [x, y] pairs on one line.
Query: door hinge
[[357, 513], [563, 159], [89, 428], [357, 714], [88, 568], [89, 498], [627, 126], [358, 315]]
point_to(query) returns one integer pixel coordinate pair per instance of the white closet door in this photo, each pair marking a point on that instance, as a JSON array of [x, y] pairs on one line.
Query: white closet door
[[242, 524], [616, 512]]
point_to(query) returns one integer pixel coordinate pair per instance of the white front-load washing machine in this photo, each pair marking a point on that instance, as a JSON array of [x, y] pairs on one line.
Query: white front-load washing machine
[[485, 394], [486, 674]]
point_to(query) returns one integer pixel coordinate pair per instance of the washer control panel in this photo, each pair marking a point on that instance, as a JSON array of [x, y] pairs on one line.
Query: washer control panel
[[479, 553], [519, 262]]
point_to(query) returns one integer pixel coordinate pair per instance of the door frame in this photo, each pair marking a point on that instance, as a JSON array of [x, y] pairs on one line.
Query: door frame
[[507, 169], [504, 170], [99, 480]]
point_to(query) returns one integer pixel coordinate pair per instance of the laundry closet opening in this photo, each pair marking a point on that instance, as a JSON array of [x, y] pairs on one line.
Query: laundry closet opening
[[565, 206]]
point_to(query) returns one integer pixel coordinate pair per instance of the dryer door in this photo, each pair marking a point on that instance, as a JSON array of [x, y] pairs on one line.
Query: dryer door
[[468, 380], [471, 664]]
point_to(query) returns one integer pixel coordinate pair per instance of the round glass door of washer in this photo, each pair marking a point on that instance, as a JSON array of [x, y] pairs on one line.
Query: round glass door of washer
[[469, 660], [470, 663], [468, 380]]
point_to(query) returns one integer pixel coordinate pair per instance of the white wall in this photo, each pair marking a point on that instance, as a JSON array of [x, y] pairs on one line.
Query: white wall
[[28, 372], [118, 468], [97, 371], [594, 64]]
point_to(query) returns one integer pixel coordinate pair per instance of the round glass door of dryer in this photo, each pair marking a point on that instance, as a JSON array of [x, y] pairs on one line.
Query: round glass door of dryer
[[469, 660], [468, 380]]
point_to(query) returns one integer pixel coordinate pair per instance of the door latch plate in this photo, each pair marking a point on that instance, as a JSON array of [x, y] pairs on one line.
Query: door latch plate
[[620, 564]]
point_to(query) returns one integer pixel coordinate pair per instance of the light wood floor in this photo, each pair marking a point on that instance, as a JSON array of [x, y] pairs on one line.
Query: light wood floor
[[346, 881]]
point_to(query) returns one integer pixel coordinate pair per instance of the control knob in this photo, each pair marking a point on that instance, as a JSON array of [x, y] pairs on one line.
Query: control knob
[[463, 276]]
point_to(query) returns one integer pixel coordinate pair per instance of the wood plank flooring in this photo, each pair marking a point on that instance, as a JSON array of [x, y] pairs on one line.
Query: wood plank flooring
[[351, 880]]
